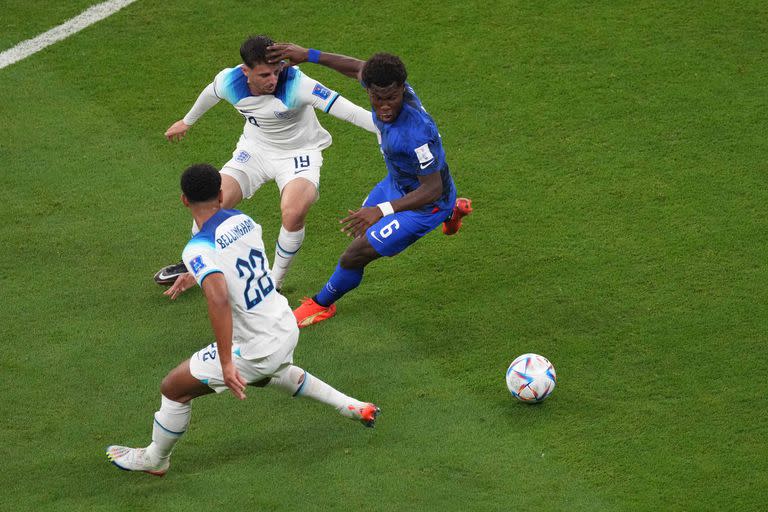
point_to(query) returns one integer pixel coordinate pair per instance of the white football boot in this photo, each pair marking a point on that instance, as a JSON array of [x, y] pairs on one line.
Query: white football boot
[[136, 459]]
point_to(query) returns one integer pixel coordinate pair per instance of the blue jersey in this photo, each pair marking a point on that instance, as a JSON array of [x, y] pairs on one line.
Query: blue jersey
[[412, 147]]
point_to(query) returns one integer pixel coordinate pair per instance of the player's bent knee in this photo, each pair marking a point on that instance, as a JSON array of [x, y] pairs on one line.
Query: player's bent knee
[[293, 220], [168, 389], [352, 260], [294, 214], [358, 254]]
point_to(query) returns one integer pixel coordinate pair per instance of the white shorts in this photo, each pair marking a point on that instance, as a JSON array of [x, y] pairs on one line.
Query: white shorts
[[204, 365], [252, 168]]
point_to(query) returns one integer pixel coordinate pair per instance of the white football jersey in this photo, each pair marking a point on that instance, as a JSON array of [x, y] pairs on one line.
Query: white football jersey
[[230, 243], [275, 122]]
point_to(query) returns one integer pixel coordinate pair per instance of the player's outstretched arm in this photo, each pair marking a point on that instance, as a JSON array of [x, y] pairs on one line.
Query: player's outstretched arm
[[205, 101], [347, 111], [177, 131], [220, 313], [348, 66]]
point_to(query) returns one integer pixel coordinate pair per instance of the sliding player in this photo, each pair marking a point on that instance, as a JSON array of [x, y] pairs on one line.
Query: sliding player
[[253, 326]]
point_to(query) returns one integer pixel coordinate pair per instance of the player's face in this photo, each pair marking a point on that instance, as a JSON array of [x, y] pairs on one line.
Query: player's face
[[262, 78], [387, 101]]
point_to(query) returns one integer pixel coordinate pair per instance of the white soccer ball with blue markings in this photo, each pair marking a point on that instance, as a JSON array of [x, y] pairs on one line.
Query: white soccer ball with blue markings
[[531, 378]]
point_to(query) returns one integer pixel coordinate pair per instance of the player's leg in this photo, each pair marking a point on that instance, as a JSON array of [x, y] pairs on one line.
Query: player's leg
[[170, 422], [231, 190], [387, 237], [298, 382], [296, 199], [298, 179], [347, 276]]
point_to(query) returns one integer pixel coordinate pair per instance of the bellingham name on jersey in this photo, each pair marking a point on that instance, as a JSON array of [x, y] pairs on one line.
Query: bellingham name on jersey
[[412, 147]]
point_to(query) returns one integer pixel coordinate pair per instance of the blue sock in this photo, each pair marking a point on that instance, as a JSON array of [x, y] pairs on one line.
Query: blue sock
[[341, 281]]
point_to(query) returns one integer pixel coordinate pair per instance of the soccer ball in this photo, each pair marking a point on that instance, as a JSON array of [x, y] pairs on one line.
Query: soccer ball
[[531, 378]]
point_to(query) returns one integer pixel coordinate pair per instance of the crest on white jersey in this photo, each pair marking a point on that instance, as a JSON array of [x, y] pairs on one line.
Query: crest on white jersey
[[197, 264], [321, 91]]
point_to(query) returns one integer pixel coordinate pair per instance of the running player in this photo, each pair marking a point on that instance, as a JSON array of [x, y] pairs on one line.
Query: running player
[[416, 196], [253, 326], [282, 140]]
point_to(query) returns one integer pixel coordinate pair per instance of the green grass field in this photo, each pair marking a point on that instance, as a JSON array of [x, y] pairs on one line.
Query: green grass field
[[616, 156]]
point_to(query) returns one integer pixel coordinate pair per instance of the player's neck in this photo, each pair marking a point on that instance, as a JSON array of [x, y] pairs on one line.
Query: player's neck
[[201, 213], [255, 92]]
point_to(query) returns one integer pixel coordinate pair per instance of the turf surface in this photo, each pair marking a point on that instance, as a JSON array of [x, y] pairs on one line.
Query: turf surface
[[616, 156]]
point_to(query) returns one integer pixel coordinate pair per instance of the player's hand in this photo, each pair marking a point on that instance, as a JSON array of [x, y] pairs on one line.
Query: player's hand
[[177, 131], [292, 52], [183, 283], [233, 380], [357, 222]]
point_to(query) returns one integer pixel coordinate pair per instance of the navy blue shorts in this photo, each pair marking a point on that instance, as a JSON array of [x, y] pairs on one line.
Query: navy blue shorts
[[393, 233]]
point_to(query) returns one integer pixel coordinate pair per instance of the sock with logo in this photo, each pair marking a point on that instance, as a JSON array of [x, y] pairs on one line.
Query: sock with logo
[[341, 281], [299, 382]]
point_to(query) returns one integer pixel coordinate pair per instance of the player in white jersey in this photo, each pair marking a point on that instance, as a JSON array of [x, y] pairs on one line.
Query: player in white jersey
[[254, 327], [282, 140]]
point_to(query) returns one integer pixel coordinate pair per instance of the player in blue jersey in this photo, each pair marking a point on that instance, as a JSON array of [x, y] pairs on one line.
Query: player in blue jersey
[[418, 193], [252, 323]]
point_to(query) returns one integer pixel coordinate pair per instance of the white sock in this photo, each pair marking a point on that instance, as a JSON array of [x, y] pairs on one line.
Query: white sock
[[288, 244], [299, 382], [170, 423], [195, 229]]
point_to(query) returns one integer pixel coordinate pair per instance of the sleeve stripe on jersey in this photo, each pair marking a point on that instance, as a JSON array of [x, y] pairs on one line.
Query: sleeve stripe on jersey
[[330, 103], [214, 271]]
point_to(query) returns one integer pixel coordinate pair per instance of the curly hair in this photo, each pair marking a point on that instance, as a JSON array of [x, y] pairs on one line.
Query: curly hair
[[200, 183], [254, 50], [384, 69]]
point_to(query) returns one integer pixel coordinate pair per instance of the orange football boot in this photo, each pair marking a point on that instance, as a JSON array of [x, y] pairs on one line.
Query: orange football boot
[[310, 312], [462, 208], [368, 414]]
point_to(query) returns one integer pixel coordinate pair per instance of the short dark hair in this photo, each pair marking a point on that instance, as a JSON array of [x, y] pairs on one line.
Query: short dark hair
[[200, 183], [254, 50], [383, 70]]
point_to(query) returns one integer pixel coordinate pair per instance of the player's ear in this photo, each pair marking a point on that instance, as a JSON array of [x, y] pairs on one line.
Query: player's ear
[[221, 197], [184, 200], [245, 69]]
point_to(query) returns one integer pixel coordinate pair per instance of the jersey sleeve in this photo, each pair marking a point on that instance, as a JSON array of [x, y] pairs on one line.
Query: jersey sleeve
[[199, 259], [424, 151], [311, 92], [347, 111], [207, 100]]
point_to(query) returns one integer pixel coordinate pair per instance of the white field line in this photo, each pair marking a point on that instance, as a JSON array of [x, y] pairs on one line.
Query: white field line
[[88, 17]]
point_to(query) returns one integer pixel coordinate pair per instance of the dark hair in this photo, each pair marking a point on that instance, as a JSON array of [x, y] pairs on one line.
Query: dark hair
[[254, 50], [200, 183], [384, 69]]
